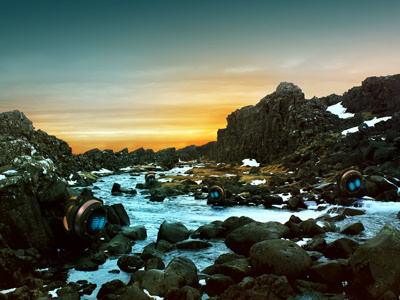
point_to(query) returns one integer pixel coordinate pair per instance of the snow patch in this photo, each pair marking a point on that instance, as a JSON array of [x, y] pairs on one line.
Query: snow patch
[[102, 172], [11, 172], [258, 182], [249, 162], [340, 111], [369, 123], [2, 177]]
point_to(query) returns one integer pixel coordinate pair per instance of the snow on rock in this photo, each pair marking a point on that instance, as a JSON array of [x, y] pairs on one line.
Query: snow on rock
[[249, 162], [340, 111], [369, 123], [258, 182]]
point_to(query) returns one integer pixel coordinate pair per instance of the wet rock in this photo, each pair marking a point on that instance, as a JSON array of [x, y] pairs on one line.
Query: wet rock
[[373, 261], [130, 263], [280, 257], [68, 293], [112, 289], [157, 196], [154, 263], [353, 212], [217, 284], [135, 233], [173, 232], [179, 272], [243, 238], [227, 257], [211, 230], [150, 251], [263, 287], [340, 248], [122, 214], [332, 273], [118, 245], [233, 223], [270, 200], [352, 228], [153, 282], [184, 293], [236, 269], [85, 264], [117, 190], [310, 228], [193, 244], [317, 244], [134, 292]]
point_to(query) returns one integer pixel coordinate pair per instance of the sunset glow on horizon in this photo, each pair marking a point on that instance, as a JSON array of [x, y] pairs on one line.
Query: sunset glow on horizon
[[159, 74]]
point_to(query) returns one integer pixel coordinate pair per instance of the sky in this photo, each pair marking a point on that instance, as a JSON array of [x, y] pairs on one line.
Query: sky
[[162, 73]]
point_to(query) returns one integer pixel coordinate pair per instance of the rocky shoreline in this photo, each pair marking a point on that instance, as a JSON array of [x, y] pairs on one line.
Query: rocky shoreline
[[39, 173]]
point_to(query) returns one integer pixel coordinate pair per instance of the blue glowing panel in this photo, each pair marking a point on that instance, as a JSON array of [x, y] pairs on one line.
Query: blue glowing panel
[[98, 223]]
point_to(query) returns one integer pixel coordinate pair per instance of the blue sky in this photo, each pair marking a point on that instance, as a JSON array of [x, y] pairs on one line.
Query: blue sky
[[116, 74]]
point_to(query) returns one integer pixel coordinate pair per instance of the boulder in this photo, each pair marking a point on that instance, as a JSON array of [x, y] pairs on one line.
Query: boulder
[[352, 228], [217, 284], [134, 292], [375, 265], [332, 273], [271, 287], [154, 263], [130, 263], [187, 292], [173, 232], [114, 287], [193, 244], [236, 269], [233, 223], [84, 264], [280, 257], [135, 233], [122, 214], [153, 282], [118, 245], [179, 272], [243, 238], [340, 248], [209, 231]]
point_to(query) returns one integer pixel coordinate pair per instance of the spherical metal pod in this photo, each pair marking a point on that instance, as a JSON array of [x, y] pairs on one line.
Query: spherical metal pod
[[216, 193], [85, 216], [350, 181], [150, 177]]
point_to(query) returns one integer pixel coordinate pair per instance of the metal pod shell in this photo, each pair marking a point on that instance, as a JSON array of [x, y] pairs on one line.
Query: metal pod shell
[[216, 192], [150, 177], [350, 181], [86, 216]]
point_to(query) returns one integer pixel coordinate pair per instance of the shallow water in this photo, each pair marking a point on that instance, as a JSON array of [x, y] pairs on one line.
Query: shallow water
[[194, 213]]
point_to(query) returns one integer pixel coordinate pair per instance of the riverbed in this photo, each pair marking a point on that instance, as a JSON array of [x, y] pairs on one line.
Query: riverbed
[[194, 213]]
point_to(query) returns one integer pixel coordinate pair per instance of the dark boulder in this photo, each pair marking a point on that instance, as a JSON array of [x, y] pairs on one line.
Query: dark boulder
[[130, 263], [217, 284], [375, 265], [243, 238], [340, 248], [280, 257], [180, 272], [173, 232], [352, 228], [271, 287]]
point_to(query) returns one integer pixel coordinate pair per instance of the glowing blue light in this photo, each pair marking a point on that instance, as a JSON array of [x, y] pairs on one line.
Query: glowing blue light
[[357, 183], [352, 186], [98, 223]]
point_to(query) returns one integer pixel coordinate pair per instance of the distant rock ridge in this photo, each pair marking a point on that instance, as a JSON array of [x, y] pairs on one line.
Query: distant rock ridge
[[284, 121], [280, 124]]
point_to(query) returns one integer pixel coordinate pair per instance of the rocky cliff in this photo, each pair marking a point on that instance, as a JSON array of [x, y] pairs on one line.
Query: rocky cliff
[[284, 121]]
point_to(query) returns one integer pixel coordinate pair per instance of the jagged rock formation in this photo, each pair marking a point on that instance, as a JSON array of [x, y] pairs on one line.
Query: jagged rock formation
[[379, 95], [278, 125], [284, 121]]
